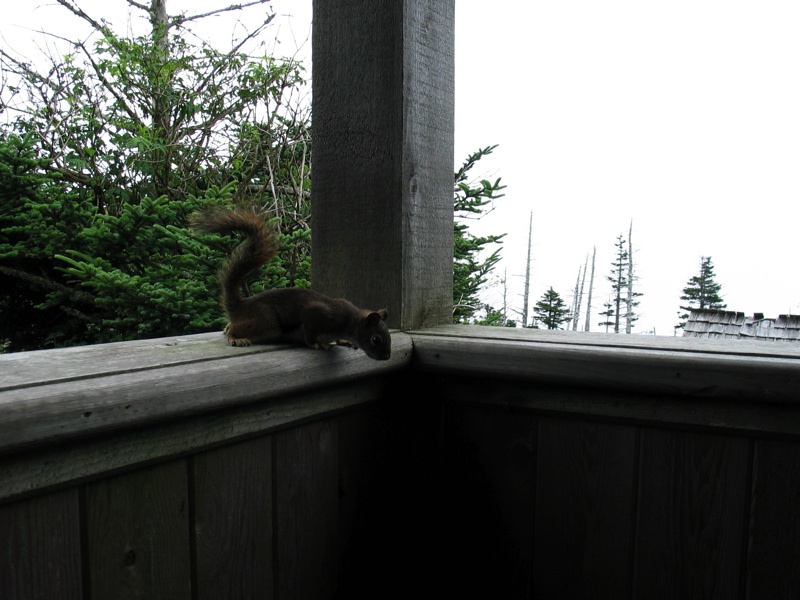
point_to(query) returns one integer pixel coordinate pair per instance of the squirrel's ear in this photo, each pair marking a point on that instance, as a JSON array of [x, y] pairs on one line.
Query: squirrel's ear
[[380, 315]]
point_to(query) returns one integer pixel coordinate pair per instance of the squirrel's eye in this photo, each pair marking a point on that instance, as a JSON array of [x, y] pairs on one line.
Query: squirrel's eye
[[376, 340]]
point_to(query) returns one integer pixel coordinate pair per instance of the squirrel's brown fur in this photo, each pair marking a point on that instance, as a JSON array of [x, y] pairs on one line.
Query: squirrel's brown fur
[[287, 314]]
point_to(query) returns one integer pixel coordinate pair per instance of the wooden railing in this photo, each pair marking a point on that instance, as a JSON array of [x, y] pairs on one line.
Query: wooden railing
[[482, 462]]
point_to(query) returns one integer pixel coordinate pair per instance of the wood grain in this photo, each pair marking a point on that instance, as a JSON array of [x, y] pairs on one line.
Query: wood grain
[[683, 369], [138, 541], [53, 467], [692, 515], [306, 511], [774, 533], [585, 504], [232, 489], [383, 105], [40, 548], [86, 404]]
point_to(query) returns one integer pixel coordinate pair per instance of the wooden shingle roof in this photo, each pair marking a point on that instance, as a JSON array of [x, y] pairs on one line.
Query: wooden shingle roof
[[730, 324]]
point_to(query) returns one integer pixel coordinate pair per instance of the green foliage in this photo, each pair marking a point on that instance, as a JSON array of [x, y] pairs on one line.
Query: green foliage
[[111, 148], [155, 115], [471, 267], [39, 216], [76, 276], [701, 291], [551, 311]]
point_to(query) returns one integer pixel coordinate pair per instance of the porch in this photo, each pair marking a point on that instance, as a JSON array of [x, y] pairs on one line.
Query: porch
[[482, 462], [475, 463]]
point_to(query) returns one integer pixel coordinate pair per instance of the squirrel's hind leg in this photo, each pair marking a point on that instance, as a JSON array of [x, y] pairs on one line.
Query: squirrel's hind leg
[[245, 333]]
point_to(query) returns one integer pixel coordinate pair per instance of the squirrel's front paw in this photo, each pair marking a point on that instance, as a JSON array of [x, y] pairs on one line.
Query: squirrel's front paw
[[239, 341]]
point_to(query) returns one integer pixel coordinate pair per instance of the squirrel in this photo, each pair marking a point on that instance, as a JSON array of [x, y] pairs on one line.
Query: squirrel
[[293, 315]]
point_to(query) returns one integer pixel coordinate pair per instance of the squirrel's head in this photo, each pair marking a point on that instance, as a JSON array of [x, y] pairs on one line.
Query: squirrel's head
[[373, 335]]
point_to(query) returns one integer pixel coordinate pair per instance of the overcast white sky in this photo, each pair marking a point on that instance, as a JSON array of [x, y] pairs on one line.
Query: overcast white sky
[[683, 116]]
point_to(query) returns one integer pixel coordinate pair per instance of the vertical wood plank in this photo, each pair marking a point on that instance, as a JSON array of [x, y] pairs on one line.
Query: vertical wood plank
[[692, 512], [138, 535], [584, 509], [488, 483], [306, 508], [40, 548], [774, 550], [233, 521], [383, 105]]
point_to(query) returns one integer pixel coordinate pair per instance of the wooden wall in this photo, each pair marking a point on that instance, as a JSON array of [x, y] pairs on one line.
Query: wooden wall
[[541, 503], [490, 464], [277, 515]]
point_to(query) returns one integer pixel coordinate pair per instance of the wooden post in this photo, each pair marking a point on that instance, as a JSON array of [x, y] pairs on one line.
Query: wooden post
[[382, 181]]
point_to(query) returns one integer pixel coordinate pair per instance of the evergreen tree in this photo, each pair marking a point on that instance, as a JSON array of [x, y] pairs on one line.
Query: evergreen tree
[[551, 311], [630, 301], [622, 301], [619, 281], [701, 292], [470, 268], [609, 315], [104, 153]]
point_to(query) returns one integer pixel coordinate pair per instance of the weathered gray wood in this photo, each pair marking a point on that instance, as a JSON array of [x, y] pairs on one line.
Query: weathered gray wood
[[40, 549], [585, 503], [383, 77], [42, 469], [233, 521], [610, 340], [734, 416], [81, 404], [578, 360], [24, 369], [306, 505], [691, 520], [137, 530], [774, 540]]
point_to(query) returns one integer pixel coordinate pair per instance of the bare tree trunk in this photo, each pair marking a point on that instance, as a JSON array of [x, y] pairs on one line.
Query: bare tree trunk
[[577, 295], [527, 275], [629, 301], [588, 325], [505, 296], [159, 21]]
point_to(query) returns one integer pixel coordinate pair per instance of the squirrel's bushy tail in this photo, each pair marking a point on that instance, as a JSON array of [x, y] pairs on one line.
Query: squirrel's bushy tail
[[259, 247]]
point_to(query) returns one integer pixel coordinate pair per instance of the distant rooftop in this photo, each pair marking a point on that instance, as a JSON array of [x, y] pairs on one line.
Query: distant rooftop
[[730, 324]]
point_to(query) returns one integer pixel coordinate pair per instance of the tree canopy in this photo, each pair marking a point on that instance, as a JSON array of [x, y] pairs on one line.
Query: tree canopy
[[551, 311], [471, 267], [622, 301], [107, 149], [701, 291]]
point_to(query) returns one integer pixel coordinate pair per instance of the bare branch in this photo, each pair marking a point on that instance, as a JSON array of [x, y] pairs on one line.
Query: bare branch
[[143, 7], [109, 87], [232, 7], [79, 13]]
